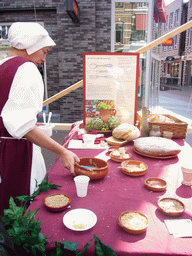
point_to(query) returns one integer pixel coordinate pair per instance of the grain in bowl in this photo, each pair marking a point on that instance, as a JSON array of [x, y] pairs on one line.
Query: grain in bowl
[[56, 202], [133, 222]]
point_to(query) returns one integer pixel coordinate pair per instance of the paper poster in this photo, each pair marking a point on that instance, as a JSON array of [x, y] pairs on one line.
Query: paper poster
[[111, 79]]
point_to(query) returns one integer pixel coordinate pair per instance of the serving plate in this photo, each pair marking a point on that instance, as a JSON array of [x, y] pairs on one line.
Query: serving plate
[[155, 184], [115, 142], [133, 222], [158, 157], [134, 168], [171, 206], [56, 202], [80, 219]]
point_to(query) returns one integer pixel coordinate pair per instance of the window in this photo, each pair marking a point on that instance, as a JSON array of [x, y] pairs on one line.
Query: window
[[166, 24], [4, 31], [171, 20], [119, 5], [175, 42], [177, 17], [119, 33], [190, 37], [164, 48]]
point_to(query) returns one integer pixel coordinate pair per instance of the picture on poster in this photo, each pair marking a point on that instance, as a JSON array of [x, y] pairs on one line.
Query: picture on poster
[[110, 81]]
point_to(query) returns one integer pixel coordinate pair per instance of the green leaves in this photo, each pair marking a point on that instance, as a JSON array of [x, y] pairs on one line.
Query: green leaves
[[43, 187], [71, 246], [24, 230], [102, 249]]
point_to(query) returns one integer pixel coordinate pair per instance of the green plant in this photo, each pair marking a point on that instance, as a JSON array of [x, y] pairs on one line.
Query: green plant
[[24, 230], [43, 187]]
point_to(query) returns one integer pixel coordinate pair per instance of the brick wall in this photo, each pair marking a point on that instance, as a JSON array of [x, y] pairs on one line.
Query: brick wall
[[65, 61]]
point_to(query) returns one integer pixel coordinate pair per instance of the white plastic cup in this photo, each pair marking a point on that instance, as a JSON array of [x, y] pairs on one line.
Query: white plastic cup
[[47, 129], [187, 174], [81, 183], [89, 139]]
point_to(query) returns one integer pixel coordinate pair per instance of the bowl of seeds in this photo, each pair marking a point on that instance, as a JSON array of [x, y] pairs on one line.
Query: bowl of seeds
[[56, 202]]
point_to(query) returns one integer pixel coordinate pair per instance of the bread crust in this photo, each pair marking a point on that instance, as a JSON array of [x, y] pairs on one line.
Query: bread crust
[[157, 146], [126, 132]]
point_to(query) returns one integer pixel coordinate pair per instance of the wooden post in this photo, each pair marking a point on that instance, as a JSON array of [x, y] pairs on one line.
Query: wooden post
[[64, 92]]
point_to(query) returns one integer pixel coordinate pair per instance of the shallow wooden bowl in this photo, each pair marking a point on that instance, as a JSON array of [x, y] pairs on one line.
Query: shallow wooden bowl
[[54, 203], [140, 220], [119, 159], [95, 168], [155, 184], [133, 173], [169, 207]]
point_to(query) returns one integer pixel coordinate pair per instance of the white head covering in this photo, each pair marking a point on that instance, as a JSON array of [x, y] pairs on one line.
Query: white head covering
[[30, 36]]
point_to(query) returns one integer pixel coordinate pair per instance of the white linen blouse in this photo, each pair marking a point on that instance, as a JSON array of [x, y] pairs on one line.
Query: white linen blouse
[[20, 112]]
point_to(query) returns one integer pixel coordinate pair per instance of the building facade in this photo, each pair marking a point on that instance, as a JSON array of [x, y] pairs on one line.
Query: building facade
[[188, 48], [171, 65]]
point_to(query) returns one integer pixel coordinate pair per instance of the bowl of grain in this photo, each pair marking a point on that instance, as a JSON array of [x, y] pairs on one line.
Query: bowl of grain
[[56, 202], [133, 222], [92, 167], [171, 206]]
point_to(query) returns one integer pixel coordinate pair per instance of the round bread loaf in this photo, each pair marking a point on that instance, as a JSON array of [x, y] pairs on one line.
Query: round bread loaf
[[126, 132], [156, 146]]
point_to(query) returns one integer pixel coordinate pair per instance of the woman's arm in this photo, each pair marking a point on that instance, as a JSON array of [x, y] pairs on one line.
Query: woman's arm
[[38, 137]]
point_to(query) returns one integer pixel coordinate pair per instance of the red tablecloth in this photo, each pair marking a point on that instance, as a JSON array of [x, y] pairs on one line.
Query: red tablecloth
[[116, 193]]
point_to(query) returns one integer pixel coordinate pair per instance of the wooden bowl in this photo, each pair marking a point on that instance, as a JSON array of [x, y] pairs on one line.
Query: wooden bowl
[[94, 168], [118, 158], [139, 222], [133, 172], [110, 149], [56, 202], [171, 206], [155, 184]]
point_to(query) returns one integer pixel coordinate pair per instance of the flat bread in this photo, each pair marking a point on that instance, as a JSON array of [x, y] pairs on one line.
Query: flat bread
[[156, 146]]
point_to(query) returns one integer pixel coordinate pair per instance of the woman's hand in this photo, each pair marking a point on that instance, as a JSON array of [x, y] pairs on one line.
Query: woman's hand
[[68, 159]]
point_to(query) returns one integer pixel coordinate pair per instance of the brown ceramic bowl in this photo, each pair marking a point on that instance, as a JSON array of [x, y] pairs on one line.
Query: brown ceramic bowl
[[110, 149], [155, 184], [131, 172], [171, 206], [133, 222], [120, 159], [92, 167], [56, 202]]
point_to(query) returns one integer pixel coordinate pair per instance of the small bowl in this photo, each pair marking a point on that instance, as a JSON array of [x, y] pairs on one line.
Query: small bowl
[[140, 222], [94, 168], [133, 172], [110, 149], [56, 202], [168, 206], [155, 184], [118, 158]]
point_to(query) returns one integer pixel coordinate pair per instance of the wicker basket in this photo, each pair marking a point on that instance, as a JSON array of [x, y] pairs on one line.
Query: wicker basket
[[179, 128]]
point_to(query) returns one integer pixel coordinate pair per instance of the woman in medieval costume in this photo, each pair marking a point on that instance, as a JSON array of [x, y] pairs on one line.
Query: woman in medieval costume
[[21, 99]]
